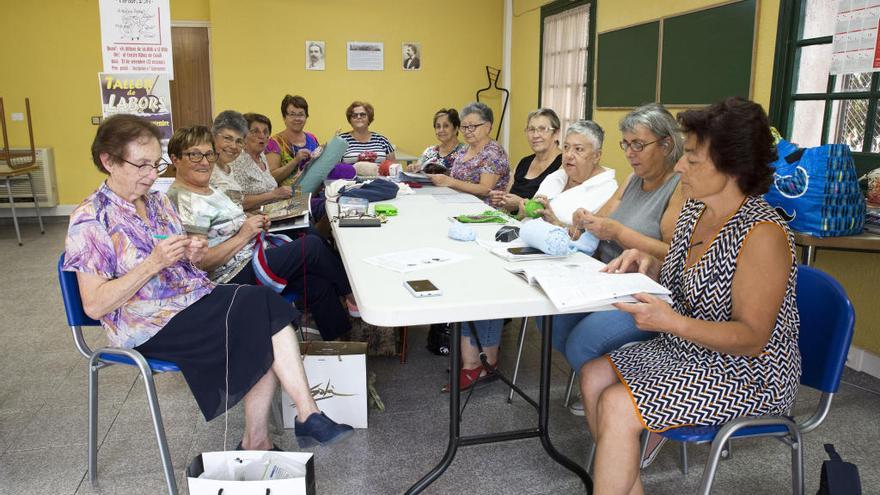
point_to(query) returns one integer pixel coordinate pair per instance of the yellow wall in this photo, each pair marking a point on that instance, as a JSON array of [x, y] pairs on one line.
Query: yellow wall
[[257, 58], [253, 72], [857, 272]]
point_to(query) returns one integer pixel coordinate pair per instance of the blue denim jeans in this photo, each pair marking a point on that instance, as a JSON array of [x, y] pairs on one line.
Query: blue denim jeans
[[489, 332], [585, 336]]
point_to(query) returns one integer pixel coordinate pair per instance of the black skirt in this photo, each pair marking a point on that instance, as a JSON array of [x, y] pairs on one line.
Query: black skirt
[[195, 339]]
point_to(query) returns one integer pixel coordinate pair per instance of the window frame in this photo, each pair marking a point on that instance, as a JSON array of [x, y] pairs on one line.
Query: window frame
[[783, 91], [558, 7]]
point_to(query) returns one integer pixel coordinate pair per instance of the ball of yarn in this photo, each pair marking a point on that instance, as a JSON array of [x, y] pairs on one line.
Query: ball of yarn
[[384, 167], [531, 208], [461, 232], [366, 169], [342, 171]]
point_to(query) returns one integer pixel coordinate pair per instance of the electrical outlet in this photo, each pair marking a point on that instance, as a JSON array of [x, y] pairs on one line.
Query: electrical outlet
[[17, 117], [96, 120]]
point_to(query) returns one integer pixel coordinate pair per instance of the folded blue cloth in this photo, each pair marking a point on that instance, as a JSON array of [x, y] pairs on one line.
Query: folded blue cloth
[[554, 240], [461, 232]]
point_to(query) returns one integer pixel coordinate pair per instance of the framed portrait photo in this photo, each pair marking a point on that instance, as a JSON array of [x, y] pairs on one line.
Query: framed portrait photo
[[315, 55], [412, 55]]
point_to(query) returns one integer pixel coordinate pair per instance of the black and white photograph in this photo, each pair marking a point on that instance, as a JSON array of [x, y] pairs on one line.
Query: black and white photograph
[[412, 56], [314, 55]]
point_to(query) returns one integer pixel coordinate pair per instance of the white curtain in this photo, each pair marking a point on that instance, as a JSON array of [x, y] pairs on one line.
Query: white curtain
[[564, 74]]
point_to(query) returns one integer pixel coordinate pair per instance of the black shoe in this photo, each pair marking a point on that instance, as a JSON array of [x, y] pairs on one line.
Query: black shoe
[[274, 448]]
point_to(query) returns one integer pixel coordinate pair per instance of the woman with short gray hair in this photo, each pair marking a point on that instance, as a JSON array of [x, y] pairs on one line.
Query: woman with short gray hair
[[642, 215], [477, 169], [482, 165], [581, 182], [229, 130]]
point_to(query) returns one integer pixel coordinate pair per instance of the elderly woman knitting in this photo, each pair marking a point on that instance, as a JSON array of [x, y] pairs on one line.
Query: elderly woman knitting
[[581, 183], [239, 252], [136, 271]]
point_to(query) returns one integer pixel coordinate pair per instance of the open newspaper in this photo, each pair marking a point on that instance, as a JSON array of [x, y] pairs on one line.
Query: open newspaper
[[582, 287], [288, 214]]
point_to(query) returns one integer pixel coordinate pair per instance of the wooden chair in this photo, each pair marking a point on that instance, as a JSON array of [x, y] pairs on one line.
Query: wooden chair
[[15, 164]]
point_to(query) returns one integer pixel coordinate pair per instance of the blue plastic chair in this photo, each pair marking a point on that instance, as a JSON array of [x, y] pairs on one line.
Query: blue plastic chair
[[827, 321], [109, 356]]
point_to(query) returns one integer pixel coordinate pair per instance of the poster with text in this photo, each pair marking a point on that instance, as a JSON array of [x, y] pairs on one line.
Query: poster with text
[[145, 95], [136, 36], [363, 55], [855, 44]]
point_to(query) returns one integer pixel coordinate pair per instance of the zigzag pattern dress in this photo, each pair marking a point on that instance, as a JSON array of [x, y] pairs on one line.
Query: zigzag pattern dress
[[675, 382]]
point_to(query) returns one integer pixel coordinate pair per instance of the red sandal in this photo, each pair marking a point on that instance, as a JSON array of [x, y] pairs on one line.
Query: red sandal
[[470, 377]]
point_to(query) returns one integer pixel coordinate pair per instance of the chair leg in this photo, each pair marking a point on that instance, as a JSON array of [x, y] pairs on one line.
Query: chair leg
[[797, 465], [519, 349], [36, 203], [93, 422], [159, 429], [12, 207], [683, 449], [568, 389]]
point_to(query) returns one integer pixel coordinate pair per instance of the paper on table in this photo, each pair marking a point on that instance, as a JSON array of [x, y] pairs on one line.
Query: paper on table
[[415, 259], [581, 286], [459, 198]]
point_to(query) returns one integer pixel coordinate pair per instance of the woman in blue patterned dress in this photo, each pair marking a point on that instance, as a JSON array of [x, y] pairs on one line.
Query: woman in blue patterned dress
[[727, 346]]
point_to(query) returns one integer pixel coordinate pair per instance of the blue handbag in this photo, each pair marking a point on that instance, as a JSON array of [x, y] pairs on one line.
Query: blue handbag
[[375, 190], [816, 190]]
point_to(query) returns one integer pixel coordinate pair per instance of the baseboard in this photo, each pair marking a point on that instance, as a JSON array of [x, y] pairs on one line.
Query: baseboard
[[864, 361], [29, 212]]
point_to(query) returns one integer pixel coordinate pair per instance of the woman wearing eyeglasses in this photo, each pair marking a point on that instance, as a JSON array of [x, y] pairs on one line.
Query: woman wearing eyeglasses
[[482, 166], [137, 274], [290, 150], [363, 144], [237, 253], [542, 132], [251, 170], [641, 215]]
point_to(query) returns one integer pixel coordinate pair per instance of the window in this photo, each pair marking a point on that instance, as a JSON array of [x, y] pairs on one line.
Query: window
[[809, 105], [567, 29]]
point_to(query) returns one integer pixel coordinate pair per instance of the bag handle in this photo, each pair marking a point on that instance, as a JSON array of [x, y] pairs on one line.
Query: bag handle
[[832, 453], [220, 491]]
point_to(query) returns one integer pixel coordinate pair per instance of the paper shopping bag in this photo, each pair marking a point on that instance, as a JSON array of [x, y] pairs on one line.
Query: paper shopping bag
[[218, 462], [337, 374]]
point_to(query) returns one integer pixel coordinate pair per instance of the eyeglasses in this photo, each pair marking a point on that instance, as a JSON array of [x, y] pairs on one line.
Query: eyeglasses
[[541, 129], [636, 146], [160, 166], [471, 128], [259, 132], [359, 115], [231, 140], [197, 156], [296, 115]]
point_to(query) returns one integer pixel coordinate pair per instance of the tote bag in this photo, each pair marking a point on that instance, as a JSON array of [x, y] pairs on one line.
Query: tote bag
[[816, 190]]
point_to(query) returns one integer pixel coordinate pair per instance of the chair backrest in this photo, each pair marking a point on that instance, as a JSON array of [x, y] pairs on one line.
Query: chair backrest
[[827, 321], [76, 316]]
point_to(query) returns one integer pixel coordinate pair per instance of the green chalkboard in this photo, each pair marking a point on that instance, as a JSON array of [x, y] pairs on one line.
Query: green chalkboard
[[627, 66], [707, 55]]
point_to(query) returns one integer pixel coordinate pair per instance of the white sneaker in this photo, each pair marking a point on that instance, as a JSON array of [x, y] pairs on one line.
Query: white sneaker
[[576, 407]]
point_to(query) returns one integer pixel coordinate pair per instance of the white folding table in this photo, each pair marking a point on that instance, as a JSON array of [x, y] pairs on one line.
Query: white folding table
[[478, 288]]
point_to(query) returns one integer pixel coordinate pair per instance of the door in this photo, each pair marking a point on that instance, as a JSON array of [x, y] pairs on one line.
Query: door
[[191, 86]]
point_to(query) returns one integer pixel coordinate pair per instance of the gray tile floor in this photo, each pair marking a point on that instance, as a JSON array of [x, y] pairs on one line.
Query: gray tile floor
[[43, 417]]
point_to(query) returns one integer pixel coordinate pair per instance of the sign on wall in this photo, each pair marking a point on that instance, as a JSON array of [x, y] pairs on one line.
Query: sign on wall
[[146, 95], [136, 36], [856, 46]]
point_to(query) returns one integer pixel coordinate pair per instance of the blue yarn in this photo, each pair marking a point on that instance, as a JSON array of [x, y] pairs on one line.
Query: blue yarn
[[461, 232]]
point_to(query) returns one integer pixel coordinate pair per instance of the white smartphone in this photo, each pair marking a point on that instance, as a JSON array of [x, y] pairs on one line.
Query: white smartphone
[[422, 288]]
